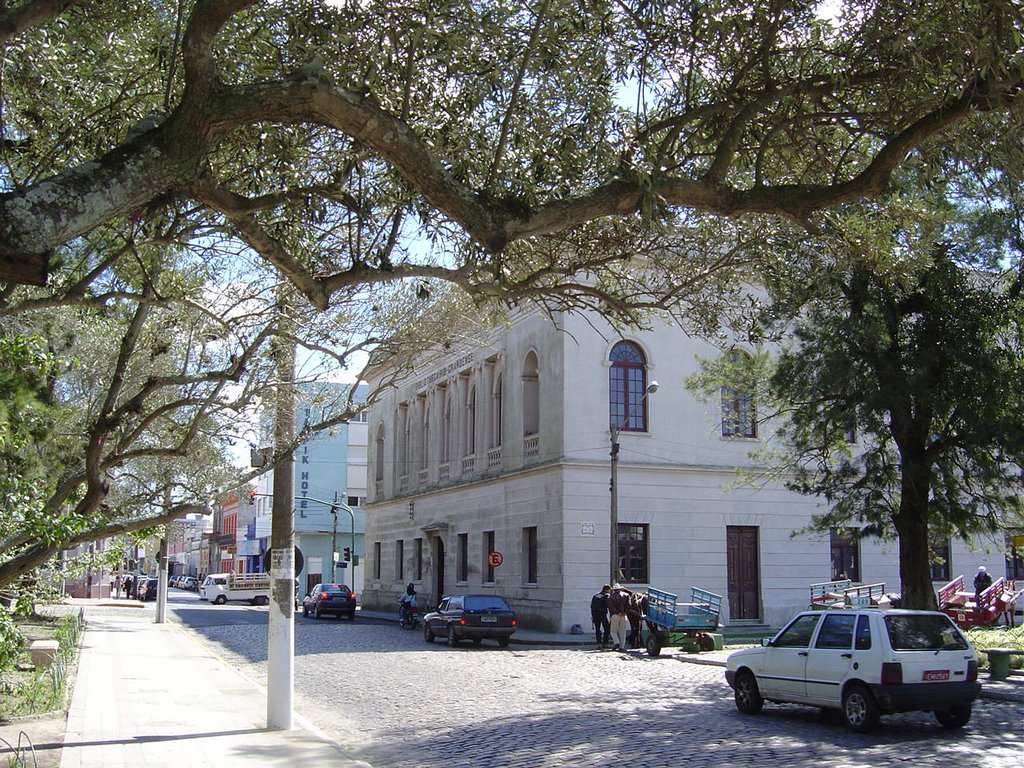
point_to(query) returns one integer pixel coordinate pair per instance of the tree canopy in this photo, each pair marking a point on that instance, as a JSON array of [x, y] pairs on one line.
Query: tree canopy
[[334, 136], [161, 163]]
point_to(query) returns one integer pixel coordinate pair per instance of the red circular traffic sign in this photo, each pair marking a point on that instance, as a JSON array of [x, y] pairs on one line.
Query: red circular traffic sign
[[494, 559]]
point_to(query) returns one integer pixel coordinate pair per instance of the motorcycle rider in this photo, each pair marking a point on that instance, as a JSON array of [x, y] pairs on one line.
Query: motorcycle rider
[[406, 601]]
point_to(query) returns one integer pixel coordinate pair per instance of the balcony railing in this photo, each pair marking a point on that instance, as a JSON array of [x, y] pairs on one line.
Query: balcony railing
[[444, 472], [531, 446], [422, 476], [469, 465], [494, 458]]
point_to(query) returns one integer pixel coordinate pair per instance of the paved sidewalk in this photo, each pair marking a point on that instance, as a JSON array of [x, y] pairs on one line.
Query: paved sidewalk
[[148, 695]]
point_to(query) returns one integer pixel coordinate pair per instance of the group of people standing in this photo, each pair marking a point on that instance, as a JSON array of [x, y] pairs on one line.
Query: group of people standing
[[608, 611]]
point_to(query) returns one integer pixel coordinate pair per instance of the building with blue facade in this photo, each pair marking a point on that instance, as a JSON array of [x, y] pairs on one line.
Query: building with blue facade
[[330, 488]]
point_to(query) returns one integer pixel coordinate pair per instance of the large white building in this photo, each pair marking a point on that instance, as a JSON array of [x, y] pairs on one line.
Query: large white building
[[504, 447]]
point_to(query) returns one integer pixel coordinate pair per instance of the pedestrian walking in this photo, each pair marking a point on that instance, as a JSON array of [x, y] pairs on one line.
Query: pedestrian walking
[[599, 616], [618, 604]]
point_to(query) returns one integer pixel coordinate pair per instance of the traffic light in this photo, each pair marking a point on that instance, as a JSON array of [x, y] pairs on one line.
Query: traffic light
[[348, 554]]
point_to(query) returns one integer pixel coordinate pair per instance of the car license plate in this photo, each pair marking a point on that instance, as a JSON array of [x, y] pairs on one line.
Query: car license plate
[[933, 675], [489, 619]]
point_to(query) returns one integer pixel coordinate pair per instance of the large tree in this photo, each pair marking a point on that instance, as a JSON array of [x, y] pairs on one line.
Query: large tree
[[371, 152], [899, 399]]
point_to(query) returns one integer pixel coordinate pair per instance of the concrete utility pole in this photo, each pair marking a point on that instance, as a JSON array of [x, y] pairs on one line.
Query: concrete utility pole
[[281, 623], [161, 580], [614, 430]]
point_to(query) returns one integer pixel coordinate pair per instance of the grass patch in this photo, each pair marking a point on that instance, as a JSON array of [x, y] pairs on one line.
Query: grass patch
[[997, 637], [25, 690]]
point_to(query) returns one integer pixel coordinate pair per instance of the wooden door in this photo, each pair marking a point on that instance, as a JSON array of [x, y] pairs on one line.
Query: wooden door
[[744, 572], [438, 572]]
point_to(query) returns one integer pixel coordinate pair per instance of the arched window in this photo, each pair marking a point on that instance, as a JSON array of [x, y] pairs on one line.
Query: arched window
[[425, 437], [471, 421], [496, 413], [446, 429], [627, 385], [531, 395], [739, 417], [406, 455], [378, 471]]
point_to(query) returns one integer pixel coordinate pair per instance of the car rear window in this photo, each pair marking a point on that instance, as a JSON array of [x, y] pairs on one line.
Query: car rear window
[[924, 633], [486, 603], [334, 589]]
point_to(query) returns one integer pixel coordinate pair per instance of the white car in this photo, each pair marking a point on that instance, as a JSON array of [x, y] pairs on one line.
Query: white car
[[864, 662]]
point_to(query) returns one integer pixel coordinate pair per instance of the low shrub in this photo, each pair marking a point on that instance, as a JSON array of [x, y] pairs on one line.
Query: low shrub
[[998, 637], [12, 643]]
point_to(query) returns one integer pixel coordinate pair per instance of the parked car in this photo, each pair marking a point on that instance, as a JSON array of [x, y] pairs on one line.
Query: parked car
[[191, 583], [146, 589], [335, 599], [863, 662], [471, 617]]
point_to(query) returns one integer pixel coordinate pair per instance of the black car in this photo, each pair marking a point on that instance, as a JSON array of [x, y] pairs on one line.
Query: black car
[[146, 589], [471, 617], [335, 599]]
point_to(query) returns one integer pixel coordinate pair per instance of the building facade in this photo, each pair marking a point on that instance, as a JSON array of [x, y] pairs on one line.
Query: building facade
[[490, 471]]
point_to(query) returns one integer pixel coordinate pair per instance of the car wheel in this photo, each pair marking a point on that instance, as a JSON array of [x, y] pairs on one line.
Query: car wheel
[[746, 693], [860, 712], [954, 717], [503, 642], [352, 616], [453, 639], [220, 600], [305, 612], [316, 613], [428, 636]]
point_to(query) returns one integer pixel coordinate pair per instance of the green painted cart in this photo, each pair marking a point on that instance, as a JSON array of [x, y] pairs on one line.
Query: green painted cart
[[690, 626]]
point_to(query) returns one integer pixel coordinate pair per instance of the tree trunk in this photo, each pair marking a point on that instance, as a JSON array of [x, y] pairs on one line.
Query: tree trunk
[[912, 528]]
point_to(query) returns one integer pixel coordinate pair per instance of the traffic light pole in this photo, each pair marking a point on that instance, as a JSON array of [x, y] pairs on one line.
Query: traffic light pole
[[335, 506]]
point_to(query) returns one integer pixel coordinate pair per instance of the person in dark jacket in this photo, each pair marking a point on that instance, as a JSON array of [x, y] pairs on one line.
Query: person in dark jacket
[[982, 581], [599, 616]]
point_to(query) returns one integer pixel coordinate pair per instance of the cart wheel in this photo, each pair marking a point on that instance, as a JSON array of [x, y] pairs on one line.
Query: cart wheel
[[706, 642], [653, 646]]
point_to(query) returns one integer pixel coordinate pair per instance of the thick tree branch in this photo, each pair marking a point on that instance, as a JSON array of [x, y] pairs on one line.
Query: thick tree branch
[[14, 21], [37, 554]]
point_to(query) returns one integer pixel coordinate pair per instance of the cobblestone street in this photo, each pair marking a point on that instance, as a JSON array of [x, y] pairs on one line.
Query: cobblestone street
[[396, 701]]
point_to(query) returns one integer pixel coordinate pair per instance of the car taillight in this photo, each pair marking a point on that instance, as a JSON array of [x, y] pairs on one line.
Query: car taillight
[[892, 673], [462, 622], [325, 596], [972, 671], [352, 597], [514, 622]]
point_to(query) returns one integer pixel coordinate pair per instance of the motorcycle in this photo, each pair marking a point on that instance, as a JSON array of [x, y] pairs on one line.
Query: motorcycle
[[410, 618]]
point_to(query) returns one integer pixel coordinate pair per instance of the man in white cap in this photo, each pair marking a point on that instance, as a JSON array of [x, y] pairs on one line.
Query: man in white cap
[[982, 581]]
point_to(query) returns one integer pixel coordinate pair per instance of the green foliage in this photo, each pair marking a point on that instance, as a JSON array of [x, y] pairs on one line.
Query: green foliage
[[925, 368], [12, 643], [1001, 637]]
